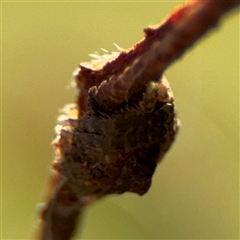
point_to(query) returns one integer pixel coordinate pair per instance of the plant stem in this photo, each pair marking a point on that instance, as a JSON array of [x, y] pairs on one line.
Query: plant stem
[[161, 47]]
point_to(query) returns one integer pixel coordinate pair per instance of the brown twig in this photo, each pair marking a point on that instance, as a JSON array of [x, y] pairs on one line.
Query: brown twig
[[61, 212], [161, 47], [146, 60]]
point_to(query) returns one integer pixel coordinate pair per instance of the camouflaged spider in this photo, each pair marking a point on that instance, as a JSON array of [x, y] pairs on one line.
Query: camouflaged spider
[[117, 151]]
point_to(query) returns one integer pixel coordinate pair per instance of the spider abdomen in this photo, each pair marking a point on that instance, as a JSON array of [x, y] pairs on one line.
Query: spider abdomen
[[119, 152]]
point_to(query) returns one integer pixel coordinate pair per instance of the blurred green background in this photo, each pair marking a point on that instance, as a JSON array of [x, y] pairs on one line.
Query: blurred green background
[[195, 190]]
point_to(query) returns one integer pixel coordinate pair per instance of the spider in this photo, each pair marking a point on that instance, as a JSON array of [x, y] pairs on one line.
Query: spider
[[105, 152], [111, 146]]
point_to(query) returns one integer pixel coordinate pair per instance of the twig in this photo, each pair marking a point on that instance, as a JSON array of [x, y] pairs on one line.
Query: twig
[[161, 47], [61, 212], [145, 61]]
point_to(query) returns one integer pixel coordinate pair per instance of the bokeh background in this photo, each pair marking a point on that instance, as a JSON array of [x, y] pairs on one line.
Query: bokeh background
[[195, 190]]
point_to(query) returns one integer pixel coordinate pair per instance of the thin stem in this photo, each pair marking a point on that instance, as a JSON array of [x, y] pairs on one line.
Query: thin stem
[[165, 44], [58, 218]]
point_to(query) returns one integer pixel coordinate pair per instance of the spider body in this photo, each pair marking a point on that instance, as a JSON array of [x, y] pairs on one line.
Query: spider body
[[117, 151]]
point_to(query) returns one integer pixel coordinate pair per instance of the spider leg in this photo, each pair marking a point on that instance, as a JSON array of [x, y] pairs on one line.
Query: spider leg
[[156, 91], [116, 89], [67, 123]]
